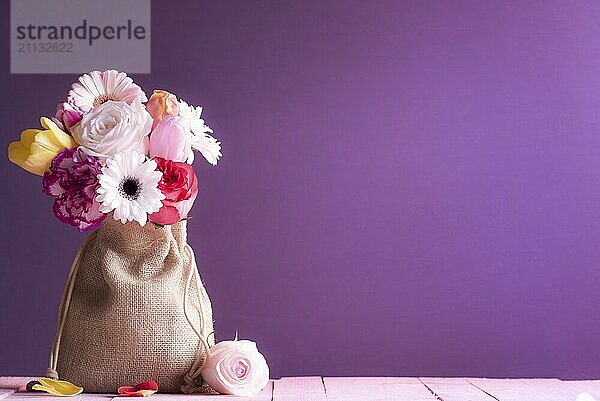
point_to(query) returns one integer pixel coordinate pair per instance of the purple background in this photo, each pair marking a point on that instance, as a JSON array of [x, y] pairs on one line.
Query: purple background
[[408, 188]]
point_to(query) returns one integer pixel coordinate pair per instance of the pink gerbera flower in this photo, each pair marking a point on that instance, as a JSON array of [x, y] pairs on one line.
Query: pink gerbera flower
[[97, 87]]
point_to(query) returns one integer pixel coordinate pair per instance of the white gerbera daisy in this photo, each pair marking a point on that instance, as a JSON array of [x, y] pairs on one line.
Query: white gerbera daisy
[[96, 87], [208, 146], [129, 186]]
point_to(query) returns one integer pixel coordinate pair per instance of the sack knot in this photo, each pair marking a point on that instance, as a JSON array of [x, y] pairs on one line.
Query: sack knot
[[192, 385], [51, 373]]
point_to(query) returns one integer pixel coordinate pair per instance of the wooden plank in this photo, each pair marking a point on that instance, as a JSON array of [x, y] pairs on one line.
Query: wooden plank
[[512, 390], [590, 386], [363, 389], [568, 389], [554, 388], [456, 389], [376, 389], [299, 389]]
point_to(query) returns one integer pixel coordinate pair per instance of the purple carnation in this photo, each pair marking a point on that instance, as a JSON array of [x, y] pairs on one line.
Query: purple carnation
[[73, 180]]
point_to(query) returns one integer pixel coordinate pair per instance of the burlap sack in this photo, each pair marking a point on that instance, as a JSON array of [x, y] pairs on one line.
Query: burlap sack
[[134, 309]]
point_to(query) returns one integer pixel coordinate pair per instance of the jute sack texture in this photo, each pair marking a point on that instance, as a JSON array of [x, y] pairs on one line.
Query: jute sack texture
[[133, 309]]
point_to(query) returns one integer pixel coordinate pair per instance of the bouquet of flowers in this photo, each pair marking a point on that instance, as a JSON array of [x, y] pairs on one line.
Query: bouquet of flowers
[[106, 152], [125, 314]]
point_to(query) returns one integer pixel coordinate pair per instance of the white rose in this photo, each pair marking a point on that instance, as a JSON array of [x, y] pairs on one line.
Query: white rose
[[114, 127], [236, 368]]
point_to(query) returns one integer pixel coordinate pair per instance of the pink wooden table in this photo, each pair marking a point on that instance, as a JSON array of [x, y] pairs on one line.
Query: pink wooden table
[[364, 389]]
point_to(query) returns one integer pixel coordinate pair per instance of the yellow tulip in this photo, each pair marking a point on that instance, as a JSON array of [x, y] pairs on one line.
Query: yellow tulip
[[38, 147]]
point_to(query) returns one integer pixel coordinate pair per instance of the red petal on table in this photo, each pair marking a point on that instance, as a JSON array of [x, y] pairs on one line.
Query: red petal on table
[[126, 390], [147, 385], [131, 394], [143, 389], [138, 393]]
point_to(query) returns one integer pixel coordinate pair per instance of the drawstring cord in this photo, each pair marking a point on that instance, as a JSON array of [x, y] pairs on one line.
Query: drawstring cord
[[192, 375], [64, 308]]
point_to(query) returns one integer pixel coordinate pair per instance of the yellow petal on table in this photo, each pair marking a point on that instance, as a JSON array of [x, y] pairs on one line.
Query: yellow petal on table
[[60, 388]]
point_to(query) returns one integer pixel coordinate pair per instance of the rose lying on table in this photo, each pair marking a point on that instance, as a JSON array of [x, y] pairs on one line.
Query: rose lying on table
[[235, 367]]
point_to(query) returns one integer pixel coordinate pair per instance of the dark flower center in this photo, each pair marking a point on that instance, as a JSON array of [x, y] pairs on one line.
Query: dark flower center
[[130, 188]]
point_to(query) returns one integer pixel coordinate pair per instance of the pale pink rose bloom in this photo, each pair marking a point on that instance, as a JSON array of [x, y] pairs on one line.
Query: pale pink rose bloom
[[236, 368], [114, 127], [171, 140]]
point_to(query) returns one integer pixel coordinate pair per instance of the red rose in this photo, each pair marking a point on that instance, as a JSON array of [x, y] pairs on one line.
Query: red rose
[[180, 187]]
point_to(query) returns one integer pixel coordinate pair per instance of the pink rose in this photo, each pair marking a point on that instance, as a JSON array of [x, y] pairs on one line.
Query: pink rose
[[179, 184], [236, 368], [67, 115], [171, 140], [161, 104]]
